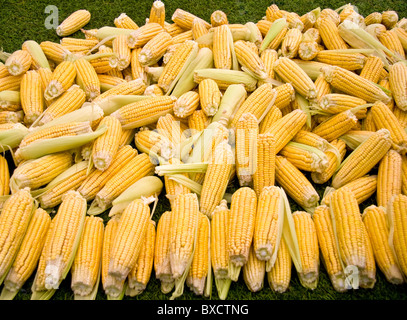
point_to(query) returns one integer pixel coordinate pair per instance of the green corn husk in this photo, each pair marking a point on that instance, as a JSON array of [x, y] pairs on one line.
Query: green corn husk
[[311, 68], [11, 138], [195, 187], [37, 54], [112, 103], [228, 76], [274, 30], [354, 138], [145, 187], [43, 147], [108, 32], [232, 99], [203, 60], [9, 98]]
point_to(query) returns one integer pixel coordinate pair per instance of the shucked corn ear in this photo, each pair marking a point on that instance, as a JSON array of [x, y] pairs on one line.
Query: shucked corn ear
[[74, 22]]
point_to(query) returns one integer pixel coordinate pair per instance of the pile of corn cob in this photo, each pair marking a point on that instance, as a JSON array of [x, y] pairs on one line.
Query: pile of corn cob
[[99, 125]]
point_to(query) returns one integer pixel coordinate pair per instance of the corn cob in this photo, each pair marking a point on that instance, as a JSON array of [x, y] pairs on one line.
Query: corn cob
[[241, 229], [28, 254], [372, 69], [144, 112], [199, 269], [346, 60], [139, 276], [86, 266], [363, 159], [388, 177], [71, 179], [182, 37], [4, 177], [329, 247], [74, 22], [112, 287], [295, 183], [337, 102], [250, 60], [133, 87], [268, 225], [330, 36], [138, 167], [139, 37], [154, 144], [127, 244], [197, 121], [286, 128], [253, 272], [32, 99], [11, 116], [336, 125], [222, 55], [397, 81], [185, 214], [264, 171], [38, 172], [220, 166], [155, 48], [225, 78], [396, 210], [309, 248], [290, 43], [383, 118], [347, 220], [218, 17], [391, 41], [209, 97], [106, 146], [257, 103], [271, 116], [279, 276], [199, 30], [104, 64], [162, 266], [62, 79], [308, 47], [350, 83], [173, 29], [173, 188], [10, 100], [125, 22], [55, 52], [87, 78], [246, 148], [15, 218], [185, 19], [404, 175], [186, 104], [60, 249], [18, 63], [327, 173], [290, 72], [170, 127]]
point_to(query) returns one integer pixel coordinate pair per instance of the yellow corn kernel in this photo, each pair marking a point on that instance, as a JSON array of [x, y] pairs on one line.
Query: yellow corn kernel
[[290, 43], [4, 177], [348, 220], [209, 97], [162, 266], [184, 226], [216, 178], [336, 125], [74, 22], [265, 170], [32, 99], [170, 127], [155, 48], [186, 104], [197, 121], [286, 128], [253, 272], [330, 36], [106, 146], [38, 172], [350, 83], [62, 79], [372, 70], [404, 175], [14, 220], [290, 72], [87, 78], [142, 35], [18, 62], [383, 118], [349, 61], [144, 112], [271, 116], [122, 51], [86, 266], [397, 82], [388, 177], [222, 56], [249, 60], [125, 22], [309, 248], [329, 247], [126, 247], [185, 19], [29, 252], [279, 276], [241, 228], [391, 41], [295, 183], [199, 269], [396, 210], [389, 18]]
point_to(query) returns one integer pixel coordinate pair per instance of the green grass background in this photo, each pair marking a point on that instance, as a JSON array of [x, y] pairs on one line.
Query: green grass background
[[22, 20]]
